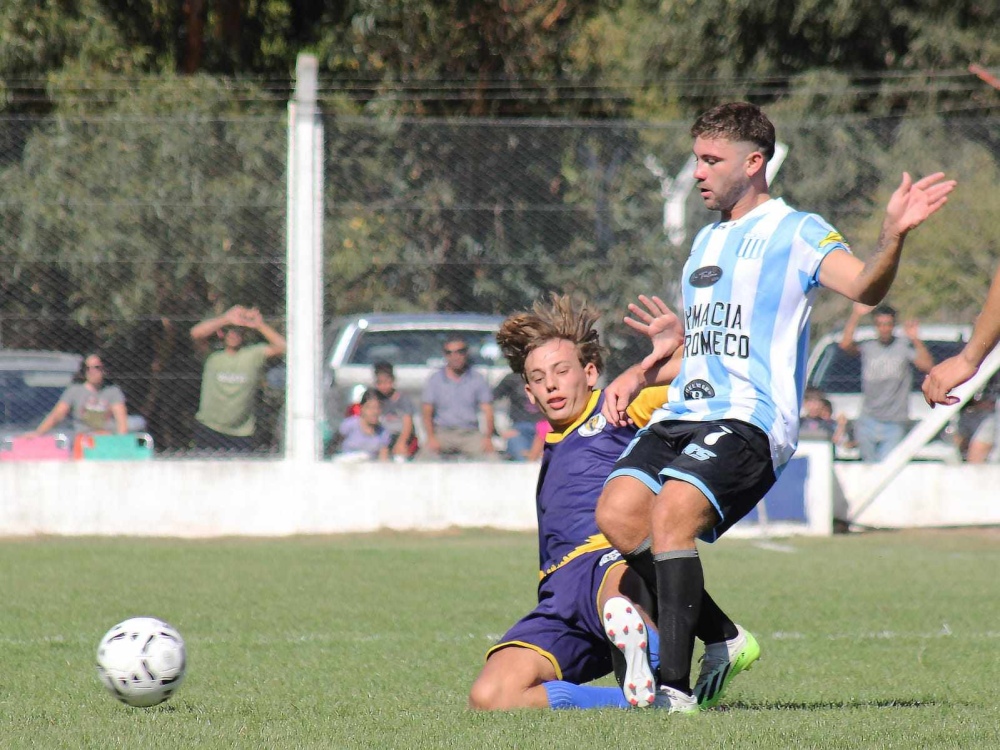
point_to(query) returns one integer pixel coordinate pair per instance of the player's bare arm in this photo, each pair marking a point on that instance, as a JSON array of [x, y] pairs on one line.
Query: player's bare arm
[[958, 369], [911, 204]]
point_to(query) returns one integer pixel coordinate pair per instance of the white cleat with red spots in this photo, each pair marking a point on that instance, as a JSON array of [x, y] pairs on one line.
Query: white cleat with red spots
[[626, 629]]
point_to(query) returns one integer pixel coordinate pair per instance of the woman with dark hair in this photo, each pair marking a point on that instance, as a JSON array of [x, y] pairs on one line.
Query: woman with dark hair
[[364, 436], [93, 404]]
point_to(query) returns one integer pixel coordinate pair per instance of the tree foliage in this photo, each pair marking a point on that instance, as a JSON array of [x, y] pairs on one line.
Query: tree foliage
[[157, 172], [146, 212]]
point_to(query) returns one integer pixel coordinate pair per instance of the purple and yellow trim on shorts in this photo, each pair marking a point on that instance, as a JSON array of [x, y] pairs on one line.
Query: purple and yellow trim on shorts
[[565, 627]]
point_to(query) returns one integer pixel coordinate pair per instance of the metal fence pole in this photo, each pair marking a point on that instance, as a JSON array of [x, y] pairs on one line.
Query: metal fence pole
[[305, 256]]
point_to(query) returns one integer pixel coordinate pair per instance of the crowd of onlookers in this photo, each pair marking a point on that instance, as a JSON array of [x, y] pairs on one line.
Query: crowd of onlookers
[[455, 416], [226, 417]]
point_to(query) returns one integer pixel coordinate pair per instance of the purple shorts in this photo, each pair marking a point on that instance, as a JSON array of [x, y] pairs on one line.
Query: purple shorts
[[566, 625]]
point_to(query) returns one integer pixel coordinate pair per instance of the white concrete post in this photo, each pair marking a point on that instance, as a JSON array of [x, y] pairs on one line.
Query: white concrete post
[[304, 307]]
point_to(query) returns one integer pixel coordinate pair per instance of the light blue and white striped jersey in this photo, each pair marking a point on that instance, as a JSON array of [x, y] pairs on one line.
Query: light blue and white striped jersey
[[748, 289]]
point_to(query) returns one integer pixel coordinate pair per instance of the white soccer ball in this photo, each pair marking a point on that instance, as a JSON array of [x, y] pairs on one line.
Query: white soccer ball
[[141, 661]]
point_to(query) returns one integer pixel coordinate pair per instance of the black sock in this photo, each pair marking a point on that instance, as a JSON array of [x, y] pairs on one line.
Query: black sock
[[680, 584], [714, 625], [640, 560]]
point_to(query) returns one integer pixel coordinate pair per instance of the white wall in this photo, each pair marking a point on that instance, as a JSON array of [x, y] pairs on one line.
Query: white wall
[[259, 498], [274, 498], [924, 494]]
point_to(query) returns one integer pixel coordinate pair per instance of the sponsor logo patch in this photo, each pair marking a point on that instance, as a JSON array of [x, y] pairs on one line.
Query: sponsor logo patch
[[697, 452], [698, 389], [705, 276], [610, 557]]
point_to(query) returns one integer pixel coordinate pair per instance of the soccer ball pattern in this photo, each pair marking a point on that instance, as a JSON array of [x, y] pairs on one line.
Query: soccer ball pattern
[[141, 661]]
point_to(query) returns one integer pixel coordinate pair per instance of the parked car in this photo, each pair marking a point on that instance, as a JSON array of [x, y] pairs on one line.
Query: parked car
[[31, 383], [412, 343], [838, 375]]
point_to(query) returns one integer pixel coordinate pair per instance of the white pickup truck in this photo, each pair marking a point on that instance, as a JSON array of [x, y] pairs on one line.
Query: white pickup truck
[[411, 342]]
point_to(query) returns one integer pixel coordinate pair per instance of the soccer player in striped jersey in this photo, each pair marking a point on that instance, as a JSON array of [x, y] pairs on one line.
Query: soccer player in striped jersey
[[736, 364], [585, 592]]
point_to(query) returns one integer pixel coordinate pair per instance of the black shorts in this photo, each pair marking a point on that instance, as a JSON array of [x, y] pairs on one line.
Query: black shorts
[[728, 460]]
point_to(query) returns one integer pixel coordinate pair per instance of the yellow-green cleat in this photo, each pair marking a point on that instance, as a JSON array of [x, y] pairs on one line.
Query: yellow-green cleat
[[721, 662]]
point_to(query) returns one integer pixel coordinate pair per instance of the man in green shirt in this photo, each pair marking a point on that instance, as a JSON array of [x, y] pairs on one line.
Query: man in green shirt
[[225, 418]]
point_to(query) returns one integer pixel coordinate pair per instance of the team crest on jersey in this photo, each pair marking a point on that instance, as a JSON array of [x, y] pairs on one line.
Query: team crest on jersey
[[834, 238], [751, 247], [705, 276], [593, 426]]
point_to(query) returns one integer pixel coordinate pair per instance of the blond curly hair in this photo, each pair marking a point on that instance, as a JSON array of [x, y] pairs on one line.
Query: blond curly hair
[[562, 318]]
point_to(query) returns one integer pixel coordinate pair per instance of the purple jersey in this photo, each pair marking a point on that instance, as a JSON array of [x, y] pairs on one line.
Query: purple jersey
[[566, 626], [575, 465]]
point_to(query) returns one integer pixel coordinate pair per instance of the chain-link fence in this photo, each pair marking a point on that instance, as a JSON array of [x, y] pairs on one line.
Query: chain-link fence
[[119, 235]]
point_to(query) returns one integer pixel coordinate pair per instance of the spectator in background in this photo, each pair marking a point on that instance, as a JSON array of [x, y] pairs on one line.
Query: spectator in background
[[94, 404], [524, 417], [817, 422], [364, 436], [453, 398], [231, 378], [542, 428], [983, 441], [976, 436], [885, 378], [397, 412]]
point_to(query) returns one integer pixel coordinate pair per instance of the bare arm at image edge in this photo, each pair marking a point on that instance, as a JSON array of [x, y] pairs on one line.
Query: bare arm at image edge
[[958, 369]]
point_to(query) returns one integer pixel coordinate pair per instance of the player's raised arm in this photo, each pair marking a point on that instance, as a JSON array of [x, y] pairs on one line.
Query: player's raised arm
[[958, 369], [911, 205]]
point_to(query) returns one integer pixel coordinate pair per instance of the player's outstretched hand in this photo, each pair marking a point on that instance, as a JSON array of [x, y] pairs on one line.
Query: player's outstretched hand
[[913, 202], [944, 376], [619, 394], [660, 324]]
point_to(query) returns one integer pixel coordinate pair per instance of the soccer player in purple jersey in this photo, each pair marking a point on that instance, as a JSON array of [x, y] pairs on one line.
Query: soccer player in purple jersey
[[585, 593]]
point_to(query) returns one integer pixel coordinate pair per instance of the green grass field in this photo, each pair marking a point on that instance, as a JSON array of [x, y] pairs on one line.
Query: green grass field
[[882, 640]]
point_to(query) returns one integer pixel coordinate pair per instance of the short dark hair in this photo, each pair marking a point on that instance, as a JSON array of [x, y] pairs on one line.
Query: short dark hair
[[737, 121], [367, 396], [884, 310], [383, 368]]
